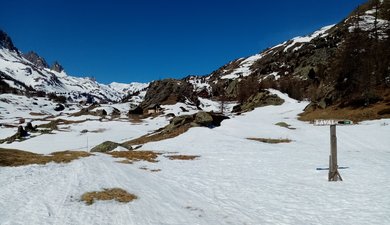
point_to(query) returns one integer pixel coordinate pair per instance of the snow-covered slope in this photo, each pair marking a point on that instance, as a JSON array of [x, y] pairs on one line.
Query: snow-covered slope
[[234, 181]]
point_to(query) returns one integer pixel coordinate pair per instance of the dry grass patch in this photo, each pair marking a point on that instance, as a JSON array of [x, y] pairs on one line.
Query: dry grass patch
[[158, 136], [136, 118], [182, 157], [270, 140], [12, 157], [37, 114], [116, 194], [373, 112], [134, 156]]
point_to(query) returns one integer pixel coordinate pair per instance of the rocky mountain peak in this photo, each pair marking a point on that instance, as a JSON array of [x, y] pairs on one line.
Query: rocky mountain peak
[[36, 59], [57, 67], [6, 42]]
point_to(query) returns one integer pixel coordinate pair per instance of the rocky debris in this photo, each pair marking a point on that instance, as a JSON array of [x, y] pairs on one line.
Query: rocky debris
[[57, 67], [168, 92], [6, 42], [260, 99], [107, 146], [59, 107], [36, 60]]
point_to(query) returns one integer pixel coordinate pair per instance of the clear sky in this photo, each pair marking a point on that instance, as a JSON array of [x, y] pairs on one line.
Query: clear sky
[[144, 40]]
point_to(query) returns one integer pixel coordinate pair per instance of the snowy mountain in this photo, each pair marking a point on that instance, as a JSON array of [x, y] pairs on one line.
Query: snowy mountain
[[30, 72], [314, 66]]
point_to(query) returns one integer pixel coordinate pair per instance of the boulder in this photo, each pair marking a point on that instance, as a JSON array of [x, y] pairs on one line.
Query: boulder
[[203, 119], [59, 107], [106, 146], [21, 132], [29, 127]]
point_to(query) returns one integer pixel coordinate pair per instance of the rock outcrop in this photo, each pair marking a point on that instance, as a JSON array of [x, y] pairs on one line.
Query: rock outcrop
[[168, 91], [262, 98], [35, 59]]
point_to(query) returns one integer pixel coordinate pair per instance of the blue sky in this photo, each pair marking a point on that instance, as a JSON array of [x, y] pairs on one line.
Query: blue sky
[[145, 40]]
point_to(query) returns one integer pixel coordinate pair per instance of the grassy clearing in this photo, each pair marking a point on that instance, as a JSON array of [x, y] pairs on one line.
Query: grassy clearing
[[182, 157], [12, 157], [134, 156], [285, 125], [158, 136], [116, 194], [270, 140]]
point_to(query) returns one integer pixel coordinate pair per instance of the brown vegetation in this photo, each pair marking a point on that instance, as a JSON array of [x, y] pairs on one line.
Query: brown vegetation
[[372, 112], [182, 157], [158, 136], [116, 194], [132, 156], [270, 140], [12, 157]]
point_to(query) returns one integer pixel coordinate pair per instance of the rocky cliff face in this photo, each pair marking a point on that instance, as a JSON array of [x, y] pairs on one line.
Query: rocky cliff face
[[169, 91], [36, 59], [6, 42]]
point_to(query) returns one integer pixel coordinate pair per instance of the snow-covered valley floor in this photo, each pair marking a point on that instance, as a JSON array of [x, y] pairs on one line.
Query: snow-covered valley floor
[[234, 181]]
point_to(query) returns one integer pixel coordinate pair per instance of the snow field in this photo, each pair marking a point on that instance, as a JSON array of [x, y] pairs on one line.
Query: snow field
[[235, 180]]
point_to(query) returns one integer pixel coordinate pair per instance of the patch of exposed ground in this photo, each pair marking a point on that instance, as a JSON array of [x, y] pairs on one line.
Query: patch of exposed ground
[[182, 157], [116, 194], [271, 140], [13, 157], [134, 156], [372, 112], [158, 136]]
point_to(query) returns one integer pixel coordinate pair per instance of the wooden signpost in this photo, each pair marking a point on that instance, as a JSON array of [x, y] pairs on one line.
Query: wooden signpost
[[333, 174]]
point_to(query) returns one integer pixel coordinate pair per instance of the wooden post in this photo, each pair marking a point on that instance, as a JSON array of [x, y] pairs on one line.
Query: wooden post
[[334, 174]]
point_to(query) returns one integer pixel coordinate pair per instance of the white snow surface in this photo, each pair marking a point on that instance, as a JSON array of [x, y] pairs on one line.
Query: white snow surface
[[300, 40], [234, 181], [367, 23], [244, 67]]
